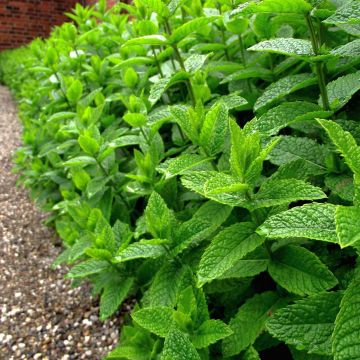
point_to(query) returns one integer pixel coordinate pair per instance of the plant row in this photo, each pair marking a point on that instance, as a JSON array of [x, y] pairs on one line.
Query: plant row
[[202, 157]]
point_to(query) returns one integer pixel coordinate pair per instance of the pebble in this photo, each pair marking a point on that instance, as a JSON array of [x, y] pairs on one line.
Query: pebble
[[41, 316]]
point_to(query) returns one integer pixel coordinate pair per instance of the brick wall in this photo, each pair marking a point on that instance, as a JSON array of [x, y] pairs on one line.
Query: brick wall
[[23, 20]]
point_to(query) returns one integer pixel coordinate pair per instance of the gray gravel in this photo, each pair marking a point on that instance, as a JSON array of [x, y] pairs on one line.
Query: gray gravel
[[41, 316]]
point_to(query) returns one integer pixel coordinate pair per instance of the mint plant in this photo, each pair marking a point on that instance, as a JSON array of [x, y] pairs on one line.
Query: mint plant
[[203, 158]]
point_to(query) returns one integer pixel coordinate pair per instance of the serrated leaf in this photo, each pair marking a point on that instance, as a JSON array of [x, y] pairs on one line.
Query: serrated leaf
[[87, 268], [77, 250], [307, 324], [195, 62], [203, 223], [297, 169], [351, 49], [187, 125], [284, 115], [177, 346], [341, 90], [275, 6], [283, 87], [292, 148], [154, 40], [345, 142], [249, 322], [248, 73], [141, 250], [278, 192], [161, 85], [157, 320], [341, 185], [345, 345], [349, 13], [347, 225], [215, 129], [209, 333], [312, 221], [159, 218], [189, 27], [113, 295], [181, 164], [300, 271], [285, 46], [229, 246], [165, 287]]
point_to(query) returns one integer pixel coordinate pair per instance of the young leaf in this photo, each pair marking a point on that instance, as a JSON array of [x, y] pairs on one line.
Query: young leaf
[[347, 225], [345, 336], [209, 333], [283, 87], [307, 324], [214, 129], [74, 92], [345, 142], [113, 295], [285, 46], [154, 40], [141, 250], [157, 320], [249, 322], [181, 164], [300, 271], [159, 218], [312, 221], [279, 192], [187, 125], [177, 346], [229, 246]]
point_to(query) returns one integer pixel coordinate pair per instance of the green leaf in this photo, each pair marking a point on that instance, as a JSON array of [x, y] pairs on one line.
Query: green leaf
[[346, 144], [88, 144], [165, 287], [80, 161], [285, 46], [161, 85], [183, 119], [347, 225], [351, 49], [195, 62], [203, 223], [177, 346], [74, 92], [300, 271], [248, 73], [87, 268], [209, 333], [349, 13], [215, 129], [251, 354], [292, 148], [276, 6], [345, 338], [279, 192], [189, 27], [229, 246], [157, 320], [341, 90], [155, 40], [159, 218], [181, 164], [141, 250], [341, 185], [307, 324], [284, 115], [283, 87], [249, 322], [113, 295], [311, 221]]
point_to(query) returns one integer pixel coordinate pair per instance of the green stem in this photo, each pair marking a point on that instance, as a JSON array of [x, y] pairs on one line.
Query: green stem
[[319, 66]]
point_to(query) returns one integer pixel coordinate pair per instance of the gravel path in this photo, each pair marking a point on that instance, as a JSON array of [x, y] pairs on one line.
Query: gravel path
[[42, 317]]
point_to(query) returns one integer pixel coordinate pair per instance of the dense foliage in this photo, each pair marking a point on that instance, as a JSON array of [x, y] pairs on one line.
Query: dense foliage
[[202, 158]]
